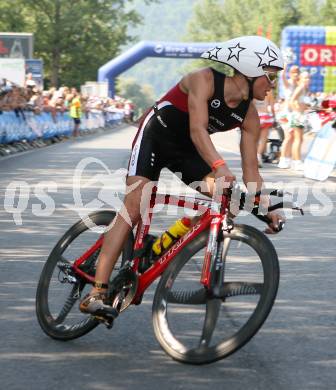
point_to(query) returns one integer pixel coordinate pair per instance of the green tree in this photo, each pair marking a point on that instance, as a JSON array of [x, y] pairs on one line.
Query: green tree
[[328, 13], [216, 20], [220, 20], [309, 13], [73, 37], [141, 95], [162, 21], [12, 21]]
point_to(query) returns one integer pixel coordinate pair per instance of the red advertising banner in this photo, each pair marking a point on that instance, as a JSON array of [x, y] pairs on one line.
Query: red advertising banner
[[318, 55]]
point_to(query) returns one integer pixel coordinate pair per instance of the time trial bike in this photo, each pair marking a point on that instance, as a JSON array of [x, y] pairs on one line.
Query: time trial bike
[[218, 282]]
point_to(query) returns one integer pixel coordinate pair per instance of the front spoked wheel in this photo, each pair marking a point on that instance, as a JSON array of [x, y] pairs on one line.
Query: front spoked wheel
[[195, 327], [60, 289]]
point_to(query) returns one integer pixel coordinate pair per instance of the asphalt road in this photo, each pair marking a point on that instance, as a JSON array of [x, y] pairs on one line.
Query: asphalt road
[[295, 349]]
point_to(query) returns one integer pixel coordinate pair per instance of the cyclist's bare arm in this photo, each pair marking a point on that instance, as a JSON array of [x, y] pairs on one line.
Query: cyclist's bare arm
[[248, 148], [199, 86]]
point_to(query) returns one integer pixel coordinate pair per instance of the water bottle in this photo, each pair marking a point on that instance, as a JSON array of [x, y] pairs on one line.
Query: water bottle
[[175, 231]]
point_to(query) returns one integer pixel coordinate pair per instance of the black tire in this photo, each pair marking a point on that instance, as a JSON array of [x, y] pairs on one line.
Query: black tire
[[60, 318], [181, 302]]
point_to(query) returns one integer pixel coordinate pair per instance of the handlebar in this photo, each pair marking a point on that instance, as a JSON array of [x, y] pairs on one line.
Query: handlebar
[[280, 205]]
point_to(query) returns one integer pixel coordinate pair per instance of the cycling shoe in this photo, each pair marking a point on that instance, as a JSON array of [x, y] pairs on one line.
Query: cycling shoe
[[95, 305]]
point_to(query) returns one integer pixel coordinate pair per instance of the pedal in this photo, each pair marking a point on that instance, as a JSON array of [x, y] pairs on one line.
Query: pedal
[[108, 322], [106, 316]]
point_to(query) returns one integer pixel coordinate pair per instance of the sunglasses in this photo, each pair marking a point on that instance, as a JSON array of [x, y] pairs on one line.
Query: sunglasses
[[271, 76]]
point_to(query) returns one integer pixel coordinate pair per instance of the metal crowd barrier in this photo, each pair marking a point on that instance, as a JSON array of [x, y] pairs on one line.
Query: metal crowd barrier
[[29, 126]]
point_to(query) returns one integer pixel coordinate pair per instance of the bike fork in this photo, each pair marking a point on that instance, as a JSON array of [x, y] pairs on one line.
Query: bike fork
[[216, 284], [217, 269]]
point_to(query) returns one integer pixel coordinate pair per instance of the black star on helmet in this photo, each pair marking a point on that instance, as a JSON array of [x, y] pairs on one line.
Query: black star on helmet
[[235, 51], [213, 53], [266, 57]]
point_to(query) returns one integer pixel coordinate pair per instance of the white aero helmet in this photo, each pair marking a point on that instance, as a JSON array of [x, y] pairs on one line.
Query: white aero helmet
[[248, 55]]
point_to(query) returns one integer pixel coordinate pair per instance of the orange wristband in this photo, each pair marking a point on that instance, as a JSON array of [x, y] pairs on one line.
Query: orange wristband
[[216, 164]]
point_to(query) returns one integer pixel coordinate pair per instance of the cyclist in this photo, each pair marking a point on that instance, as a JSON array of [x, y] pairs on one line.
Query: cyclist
[[175, 134]]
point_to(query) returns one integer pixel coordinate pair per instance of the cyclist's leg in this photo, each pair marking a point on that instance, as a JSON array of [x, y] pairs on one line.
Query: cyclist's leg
[[119, 229], [144, 168], [114, 241]]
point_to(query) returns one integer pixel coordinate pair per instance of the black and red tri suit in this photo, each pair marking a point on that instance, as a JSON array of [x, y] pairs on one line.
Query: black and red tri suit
[[163, 138]]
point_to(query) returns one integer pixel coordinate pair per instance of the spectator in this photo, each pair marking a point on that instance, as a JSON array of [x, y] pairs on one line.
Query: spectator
[[35, 103], [129, 111], [299, 103], [75, 111], [290, 85], [85, 108], [30, 82], [18, 101], [31, 98]]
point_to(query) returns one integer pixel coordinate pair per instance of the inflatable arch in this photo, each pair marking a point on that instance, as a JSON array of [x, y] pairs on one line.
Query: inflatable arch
[[143, 49], [313, 48]]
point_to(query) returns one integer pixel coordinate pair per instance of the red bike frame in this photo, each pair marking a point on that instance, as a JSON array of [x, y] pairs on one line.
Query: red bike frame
[[211, 218]]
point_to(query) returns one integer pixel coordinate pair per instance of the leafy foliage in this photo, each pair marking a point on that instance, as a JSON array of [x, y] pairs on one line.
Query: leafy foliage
[[162, 21], [220, 20], [217, 20], [227, 19], [141, 95], [12, 21], [328, 13], [73, 37]]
